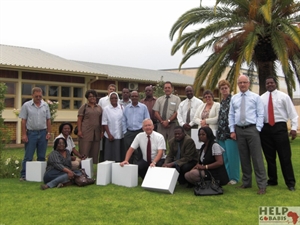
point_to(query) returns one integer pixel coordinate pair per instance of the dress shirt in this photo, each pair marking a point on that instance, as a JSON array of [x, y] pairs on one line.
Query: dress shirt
[[104, 101], [133, 117], [183, 109], [70, 142], [112, 117], [124, 104], [254, 110], [173, 104], [157, 143], [36, 117], [284, 108]]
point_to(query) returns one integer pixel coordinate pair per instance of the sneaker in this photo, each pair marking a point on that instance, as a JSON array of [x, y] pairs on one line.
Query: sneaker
[[22, 178], [44, 186], [232, 182], [60, 185]]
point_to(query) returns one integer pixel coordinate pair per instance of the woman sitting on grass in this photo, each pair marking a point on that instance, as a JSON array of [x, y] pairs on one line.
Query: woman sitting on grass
[[58, 172], [210, 159]]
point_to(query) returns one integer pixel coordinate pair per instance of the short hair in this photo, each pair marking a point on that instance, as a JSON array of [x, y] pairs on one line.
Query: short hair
[[36, 89], [223, 83], [61, 126], [88, 92], [112, 85], [147, 120], [273, 78], [208, 92], [209, 133], [180, 128], [56, 142], [168, 82]]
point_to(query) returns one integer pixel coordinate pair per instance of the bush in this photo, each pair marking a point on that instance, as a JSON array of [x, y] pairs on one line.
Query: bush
[[10, 167]]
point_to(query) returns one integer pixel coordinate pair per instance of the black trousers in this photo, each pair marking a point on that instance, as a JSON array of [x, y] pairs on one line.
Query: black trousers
[[143, 166], [275, 139], [183, 169], [128, 139]]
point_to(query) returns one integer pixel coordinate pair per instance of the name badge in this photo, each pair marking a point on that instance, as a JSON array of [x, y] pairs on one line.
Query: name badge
[[173, 103]]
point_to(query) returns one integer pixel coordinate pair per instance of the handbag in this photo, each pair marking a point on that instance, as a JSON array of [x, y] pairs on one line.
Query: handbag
[[76, 128], [83, 179], [208, 187]]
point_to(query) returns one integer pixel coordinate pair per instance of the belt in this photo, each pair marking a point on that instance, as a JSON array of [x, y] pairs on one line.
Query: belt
[[244, 127], [135, 130], [37, 130]]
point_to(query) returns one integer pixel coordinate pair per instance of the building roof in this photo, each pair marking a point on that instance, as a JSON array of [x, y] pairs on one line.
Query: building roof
[[36, 59], [137, 74], [31, 58]]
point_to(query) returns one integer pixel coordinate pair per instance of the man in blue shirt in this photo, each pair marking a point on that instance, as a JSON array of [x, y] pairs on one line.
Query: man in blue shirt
[[132, 122], [246, 117]]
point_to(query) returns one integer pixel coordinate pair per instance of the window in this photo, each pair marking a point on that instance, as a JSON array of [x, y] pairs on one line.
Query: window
[[10, 95], [68, 97]]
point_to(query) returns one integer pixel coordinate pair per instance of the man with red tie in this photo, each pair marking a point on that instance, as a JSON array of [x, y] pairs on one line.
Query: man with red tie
[[152, 145], [279, 108]]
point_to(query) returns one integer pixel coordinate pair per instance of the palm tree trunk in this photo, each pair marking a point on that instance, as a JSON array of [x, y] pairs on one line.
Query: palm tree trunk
[[265, 69]]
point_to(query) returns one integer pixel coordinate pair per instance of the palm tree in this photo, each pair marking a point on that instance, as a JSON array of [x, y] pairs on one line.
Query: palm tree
[[260, 33]]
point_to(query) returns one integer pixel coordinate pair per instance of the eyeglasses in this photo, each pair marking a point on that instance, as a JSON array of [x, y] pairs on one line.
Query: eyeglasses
[[208, 96], [243, 82]]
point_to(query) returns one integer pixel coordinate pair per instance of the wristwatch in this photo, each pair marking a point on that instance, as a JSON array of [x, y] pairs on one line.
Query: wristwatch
[[169, 121]]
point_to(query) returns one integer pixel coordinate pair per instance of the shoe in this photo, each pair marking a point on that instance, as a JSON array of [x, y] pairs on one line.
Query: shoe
[[261, 191], [60, 185], [44, 186], [292, 188], [22, 178], [242, 187], [232, 182]]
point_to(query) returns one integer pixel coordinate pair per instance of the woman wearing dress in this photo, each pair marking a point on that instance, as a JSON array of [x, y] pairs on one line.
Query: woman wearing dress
[[231, 155], [207, 114], [112, 123], [89, 127]]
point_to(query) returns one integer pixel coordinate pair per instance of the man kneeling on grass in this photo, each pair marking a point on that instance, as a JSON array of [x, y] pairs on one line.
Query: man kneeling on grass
[[182, 154], [152, 145]]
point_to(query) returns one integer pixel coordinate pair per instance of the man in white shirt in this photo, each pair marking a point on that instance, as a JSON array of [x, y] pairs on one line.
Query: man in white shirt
[[104, 101], [156, 148], [189, 105], [279, 108]]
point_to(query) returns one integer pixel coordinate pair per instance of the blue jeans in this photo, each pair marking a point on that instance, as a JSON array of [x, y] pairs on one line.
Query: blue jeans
[[36, 140], [53, 177]]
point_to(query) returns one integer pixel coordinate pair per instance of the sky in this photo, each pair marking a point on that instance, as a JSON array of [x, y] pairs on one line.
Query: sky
[[132, 33]]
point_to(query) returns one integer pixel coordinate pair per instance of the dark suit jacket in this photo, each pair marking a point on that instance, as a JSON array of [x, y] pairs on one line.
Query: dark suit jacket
[[187, 151]]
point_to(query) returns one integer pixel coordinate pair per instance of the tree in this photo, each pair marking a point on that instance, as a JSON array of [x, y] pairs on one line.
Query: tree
[[261, 33]]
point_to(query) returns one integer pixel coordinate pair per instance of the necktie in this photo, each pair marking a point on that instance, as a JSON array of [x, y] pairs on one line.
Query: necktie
[[271, 111], [243, 110], [178, 152], [188, 114], [149, 150], [164, 114]]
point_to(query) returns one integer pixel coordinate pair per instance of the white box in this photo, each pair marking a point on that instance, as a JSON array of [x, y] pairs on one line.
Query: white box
[[87, 164], [125, 176], [35, 170], [160, 179], [104, 173]]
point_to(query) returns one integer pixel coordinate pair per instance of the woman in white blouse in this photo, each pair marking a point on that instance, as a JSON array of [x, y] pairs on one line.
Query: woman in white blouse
[[112, 122], [207, 114]]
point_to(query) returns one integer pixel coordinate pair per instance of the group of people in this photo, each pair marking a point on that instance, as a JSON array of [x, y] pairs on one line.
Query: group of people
[[231, 133]]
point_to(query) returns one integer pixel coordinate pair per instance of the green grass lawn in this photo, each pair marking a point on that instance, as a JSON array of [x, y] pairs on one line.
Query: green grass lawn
[[25, 203]]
